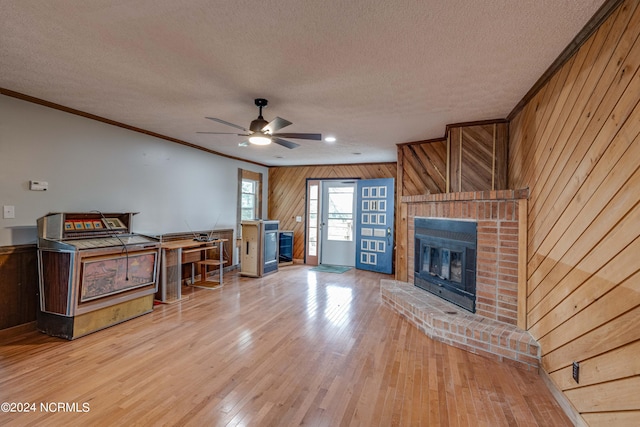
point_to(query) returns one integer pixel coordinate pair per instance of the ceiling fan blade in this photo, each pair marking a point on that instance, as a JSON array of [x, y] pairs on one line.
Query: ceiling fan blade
[[276, 124], [223, 133], [226, 123], [312, 136], [284, 142]]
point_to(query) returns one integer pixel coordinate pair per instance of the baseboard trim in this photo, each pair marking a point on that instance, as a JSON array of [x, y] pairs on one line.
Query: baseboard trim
[[14, 331], [562, 400]]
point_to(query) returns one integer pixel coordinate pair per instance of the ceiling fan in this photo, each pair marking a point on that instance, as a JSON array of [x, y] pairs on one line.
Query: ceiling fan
[[261, 132]]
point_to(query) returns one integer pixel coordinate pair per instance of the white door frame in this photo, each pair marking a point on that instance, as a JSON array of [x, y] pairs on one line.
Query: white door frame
[[337, 252]]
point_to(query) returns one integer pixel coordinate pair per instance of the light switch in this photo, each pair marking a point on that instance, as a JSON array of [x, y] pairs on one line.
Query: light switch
[[8, 212], [298, 219]]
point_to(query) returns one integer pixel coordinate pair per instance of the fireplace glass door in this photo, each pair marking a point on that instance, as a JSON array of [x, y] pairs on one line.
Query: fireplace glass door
[[445, 260], [455, 266], [443, 263]]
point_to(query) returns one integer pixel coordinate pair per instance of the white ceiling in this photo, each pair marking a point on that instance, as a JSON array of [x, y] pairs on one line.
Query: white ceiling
[[372, 73]]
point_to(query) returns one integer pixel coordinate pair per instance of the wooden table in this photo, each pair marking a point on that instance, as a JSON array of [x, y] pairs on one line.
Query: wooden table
[[203, 262], [187, 251]]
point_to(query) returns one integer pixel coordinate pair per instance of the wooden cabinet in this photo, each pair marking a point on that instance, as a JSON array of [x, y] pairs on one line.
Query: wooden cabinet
[[259, 249]]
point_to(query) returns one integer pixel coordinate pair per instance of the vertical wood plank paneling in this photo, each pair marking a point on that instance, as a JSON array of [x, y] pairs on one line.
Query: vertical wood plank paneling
[[402, 241], [18, 285], [478, 156], [287, 191], [455, 159], [576, 145], [448, 187], [500, 157], [400, 262], [56, 272], [522, 264]]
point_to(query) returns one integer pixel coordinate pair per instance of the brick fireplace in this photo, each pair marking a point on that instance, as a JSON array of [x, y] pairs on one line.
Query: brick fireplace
[[496, 329], [497, 214]]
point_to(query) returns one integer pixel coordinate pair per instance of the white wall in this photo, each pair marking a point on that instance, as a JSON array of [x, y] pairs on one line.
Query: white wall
[[91, 165]]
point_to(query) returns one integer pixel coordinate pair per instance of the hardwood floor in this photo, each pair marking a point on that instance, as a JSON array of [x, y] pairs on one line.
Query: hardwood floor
[[295, 347]]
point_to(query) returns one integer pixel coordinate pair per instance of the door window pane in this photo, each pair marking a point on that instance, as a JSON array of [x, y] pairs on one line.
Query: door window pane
[[312, 238], [313, 241], [340, 214]]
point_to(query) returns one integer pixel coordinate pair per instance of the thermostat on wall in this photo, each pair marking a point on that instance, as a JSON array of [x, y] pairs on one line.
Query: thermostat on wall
[[38, 185]]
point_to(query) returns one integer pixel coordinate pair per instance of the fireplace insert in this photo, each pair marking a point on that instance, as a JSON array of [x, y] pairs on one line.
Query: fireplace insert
[[445, 259]]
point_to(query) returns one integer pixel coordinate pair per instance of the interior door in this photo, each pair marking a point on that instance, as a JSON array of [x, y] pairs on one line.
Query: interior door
[[374, 229], [338, 209]]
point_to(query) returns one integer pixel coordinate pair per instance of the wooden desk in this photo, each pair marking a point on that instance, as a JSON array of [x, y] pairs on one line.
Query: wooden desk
[[200, 253], [178, 252]]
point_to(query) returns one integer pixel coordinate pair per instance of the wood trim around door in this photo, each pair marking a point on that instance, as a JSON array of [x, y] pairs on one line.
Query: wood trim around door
[[312, 259]]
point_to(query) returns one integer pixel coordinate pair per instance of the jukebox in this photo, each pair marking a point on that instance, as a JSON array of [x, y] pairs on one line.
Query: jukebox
[[93, 272]]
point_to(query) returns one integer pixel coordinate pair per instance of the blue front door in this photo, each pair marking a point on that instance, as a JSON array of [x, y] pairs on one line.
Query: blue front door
[[374, 227]]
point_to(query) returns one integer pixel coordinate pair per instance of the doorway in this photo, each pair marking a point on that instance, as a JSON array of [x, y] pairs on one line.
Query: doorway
[[338, 246], [350, 222]]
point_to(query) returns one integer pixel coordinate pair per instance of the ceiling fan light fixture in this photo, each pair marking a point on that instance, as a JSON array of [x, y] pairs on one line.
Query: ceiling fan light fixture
[[262, 132], [260, 138]]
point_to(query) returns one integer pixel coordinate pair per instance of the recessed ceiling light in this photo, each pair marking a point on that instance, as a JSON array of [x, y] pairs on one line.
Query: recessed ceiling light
[[330, 139]]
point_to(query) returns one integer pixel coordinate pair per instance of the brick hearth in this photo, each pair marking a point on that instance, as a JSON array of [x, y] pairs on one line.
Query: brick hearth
[[443, 321], [500, 293]]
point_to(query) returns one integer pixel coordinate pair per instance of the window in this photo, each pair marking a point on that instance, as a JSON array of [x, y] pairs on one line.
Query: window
[[340, 214], [249, 199], [312, 230]]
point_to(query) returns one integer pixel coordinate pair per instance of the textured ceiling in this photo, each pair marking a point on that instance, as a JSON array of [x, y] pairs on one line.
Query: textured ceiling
[[372, 73]]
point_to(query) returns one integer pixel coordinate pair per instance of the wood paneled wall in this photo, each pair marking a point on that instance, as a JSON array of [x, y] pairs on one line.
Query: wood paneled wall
[[576, 145], [472, 157], [478, 157], [287, 191], [422, 168], [18, 285]]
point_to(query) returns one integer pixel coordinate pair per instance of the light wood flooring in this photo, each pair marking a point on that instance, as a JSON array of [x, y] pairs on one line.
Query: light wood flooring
[[294, 348]]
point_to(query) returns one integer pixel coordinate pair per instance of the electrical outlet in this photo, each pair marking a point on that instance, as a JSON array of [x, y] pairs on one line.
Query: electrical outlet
[[576, 372]]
